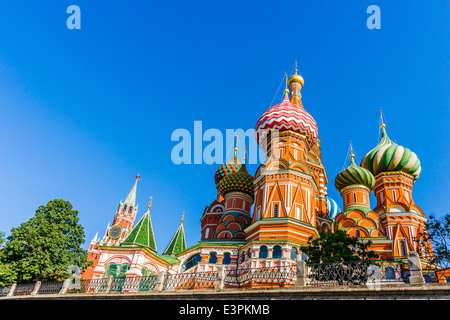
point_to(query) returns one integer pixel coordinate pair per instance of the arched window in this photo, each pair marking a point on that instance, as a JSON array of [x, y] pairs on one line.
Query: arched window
[[276, 254], [275, 210], [191, 262], [354, 197], [294, 254], [357, 234], [212, 257], [226, 258], [394, 196], [263, 252], [403, 248], [390, 273]]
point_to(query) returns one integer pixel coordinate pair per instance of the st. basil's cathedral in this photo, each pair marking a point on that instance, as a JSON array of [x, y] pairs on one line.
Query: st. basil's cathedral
[[264, 220]]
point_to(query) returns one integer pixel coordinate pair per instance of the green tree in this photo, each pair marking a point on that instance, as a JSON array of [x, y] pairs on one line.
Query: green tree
[[433, 244], [7, 274], [337, 247], [338, 258], [46, 245]]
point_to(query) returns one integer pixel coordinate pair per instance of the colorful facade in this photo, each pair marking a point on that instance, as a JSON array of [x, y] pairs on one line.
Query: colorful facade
[[263, 220]]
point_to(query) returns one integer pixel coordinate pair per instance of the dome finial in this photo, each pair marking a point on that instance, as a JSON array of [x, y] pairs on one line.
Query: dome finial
[[286, 90], [296, 66], [352, 155], [235, 145], [150, 203], [382, 126], [245, 154]]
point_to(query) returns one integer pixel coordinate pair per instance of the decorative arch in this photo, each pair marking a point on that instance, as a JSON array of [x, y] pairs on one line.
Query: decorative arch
[[240, 235], [241, 219], [225, 234], [228, 217], [356, 214], [278, 164], [347, 223], [367, 223], [300, 167], [397, 207], [234, 226], [363, 232], [110, 260]]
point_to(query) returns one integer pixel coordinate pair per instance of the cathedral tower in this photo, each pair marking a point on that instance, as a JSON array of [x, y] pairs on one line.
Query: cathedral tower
[[396, 169], [290, 187]]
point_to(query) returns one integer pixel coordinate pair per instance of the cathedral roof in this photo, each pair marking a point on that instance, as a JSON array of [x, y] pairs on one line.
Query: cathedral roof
[[178, 242], [240, 181], [354, 175], [332, 208], [142, 233], [388, 156], [287, 116], [226, 168]]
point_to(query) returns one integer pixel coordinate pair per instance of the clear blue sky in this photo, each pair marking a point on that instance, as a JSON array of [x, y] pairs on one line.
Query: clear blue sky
[[84, 111]]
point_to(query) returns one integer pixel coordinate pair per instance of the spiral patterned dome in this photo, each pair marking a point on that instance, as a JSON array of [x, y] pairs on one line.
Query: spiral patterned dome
[[388, 156], [332, 208], [241, 181], [354, 175], [287, 116], [227, 168]]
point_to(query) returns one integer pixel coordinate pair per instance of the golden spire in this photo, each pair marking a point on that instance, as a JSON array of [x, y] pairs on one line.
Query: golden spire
[[352, 155], [182, 217], [382, 126], [150, 203], [286, 90], [296, 77], [245, 153]]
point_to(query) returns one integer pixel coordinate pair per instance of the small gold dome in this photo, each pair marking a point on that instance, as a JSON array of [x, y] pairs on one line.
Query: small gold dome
[[296, 78]]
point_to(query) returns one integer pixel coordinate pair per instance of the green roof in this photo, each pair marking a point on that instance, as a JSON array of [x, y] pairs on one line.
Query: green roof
[[142, 233], [178, 242]]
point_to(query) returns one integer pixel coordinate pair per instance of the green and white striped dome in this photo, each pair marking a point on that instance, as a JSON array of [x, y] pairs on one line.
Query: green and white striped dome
[[387, 156], [354, 175]]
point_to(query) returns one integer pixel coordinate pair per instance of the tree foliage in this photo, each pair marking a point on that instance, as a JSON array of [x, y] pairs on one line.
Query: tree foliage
[[337, 247], [434, 243], [45, 246]]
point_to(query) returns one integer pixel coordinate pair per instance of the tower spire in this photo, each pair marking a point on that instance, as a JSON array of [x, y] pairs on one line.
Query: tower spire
[[131, 198], [178, 242]]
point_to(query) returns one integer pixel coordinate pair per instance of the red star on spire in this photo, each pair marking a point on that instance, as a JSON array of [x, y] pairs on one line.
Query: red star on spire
[[138, 177]]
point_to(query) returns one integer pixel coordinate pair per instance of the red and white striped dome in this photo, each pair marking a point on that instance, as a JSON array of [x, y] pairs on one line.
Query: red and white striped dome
[[287, 116]]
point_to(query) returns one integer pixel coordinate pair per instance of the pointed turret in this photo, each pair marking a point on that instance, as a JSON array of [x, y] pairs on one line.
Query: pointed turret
[[131, 198], [178, 242], [142, 233]]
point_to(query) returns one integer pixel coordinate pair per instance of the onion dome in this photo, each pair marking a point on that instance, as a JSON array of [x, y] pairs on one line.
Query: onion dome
[[296, 78], [239, 181], [287, 116], [388, 156], [354, 175], [332, 208], [226, 168]]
